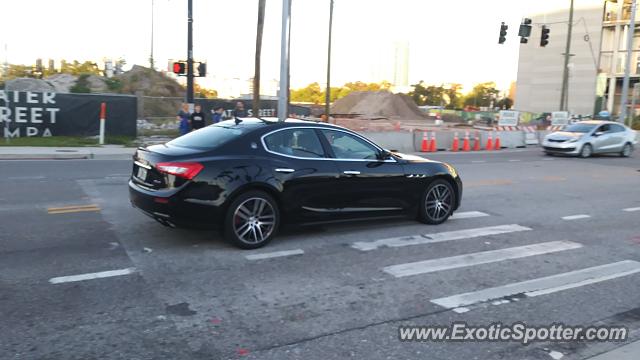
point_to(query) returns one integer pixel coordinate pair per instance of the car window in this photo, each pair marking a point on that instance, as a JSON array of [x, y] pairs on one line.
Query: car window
[[295, 142], [579, 127], [347, 146], [603, 128], [616, 128], [209, 137]]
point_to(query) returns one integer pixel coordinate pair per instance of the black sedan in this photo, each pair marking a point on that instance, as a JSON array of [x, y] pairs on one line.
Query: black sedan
[[248, 176]]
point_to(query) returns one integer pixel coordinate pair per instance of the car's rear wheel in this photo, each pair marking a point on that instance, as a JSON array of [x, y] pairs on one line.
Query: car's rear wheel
[[252, 220], [437, 203], [586, 151], [627, 149]]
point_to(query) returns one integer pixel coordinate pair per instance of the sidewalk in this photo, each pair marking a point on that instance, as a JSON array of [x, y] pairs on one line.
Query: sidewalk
[[626, 352], [107, 152]]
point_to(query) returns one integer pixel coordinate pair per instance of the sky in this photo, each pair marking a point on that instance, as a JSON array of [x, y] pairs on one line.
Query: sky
[[449, 41]]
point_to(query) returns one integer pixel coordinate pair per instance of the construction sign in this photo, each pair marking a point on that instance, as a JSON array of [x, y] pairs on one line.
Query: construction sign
[[508, 118], [559, 118]]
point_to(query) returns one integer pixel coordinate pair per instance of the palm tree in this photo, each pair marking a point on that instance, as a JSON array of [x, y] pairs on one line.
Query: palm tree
[[256, 76]]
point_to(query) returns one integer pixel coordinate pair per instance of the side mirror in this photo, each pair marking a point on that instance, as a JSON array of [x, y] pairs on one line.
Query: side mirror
[[384, 154], [598, 133]]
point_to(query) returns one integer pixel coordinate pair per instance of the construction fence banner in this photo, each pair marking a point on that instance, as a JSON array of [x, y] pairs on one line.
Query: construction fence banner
[[28, 113], [268, 108], [559, 118]]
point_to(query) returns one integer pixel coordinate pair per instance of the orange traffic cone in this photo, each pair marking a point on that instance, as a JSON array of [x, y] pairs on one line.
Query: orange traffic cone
[[425, 142], [476, 142], [489, 146], [433, 147], [465, 142], [456, 143], [497, 142]]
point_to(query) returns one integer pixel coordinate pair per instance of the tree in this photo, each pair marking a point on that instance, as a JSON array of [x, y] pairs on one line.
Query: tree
[[482, 95], [505, 103], [312, 93], [205, 93], [256, 75]]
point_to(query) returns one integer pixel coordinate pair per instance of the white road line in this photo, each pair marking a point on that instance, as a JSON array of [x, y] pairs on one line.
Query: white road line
[[514, 160], [274, 254], [548, 159], [438, 237], [91, 276], [631, 209], [576, 217], [467, 215], [544, 285], [478, 161], [478, 258]]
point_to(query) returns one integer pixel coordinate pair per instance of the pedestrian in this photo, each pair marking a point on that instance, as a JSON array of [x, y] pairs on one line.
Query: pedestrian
[[197, 118], [217, 114], [239, 111], [183, 119]]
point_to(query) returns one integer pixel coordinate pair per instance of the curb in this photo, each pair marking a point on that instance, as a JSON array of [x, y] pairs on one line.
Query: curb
[[45, 156]]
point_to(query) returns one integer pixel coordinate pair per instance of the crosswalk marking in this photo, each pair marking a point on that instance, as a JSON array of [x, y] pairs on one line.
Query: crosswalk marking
[[631, 209], [91, 276], [467, 215], [576, 217], [543, 285], [438, 237], [274, 254], [483, 257]]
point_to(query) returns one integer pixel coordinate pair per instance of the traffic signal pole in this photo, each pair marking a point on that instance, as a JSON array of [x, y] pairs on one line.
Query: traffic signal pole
[[565, 70], [327, 96], [627, 67], [283, 96], [189, 97]]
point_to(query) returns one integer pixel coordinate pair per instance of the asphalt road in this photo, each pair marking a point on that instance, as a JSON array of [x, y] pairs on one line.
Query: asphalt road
[[341, 292]]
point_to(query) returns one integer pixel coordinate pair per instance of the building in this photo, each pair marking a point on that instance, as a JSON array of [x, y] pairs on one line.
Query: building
[[401, 64], [540, 69]]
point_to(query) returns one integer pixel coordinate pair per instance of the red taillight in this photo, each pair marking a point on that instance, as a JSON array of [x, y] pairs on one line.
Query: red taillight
[[186, 170]]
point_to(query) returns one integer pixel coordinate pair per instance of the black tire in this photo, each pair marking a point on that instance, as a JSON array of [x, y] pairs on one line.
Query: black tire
[[252, 220], [436, 203], [586, 151], [627, 149], [548, 153]]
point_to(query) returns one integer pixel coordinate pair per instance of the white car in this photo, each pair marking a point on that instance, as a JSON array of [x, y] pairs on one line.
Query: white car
[[586, 138]]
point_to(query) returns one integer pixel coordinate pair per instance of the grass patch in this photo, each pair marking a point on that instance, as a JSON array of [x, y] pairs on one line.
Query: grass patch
[[59, 141]]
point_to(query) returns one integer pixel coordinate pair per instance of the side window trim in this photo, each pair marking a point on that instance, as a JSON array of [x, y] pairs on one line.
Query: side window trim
[[266, 148]]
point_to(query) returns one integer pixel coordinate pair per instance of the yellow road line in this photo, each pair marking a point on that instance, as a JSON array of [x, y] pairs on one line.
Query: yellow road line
[[72, 209]]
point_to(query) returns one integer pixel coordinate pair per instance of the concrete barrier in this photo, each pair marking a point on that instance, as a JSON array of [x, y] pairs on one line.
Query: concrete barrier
[[401, 141]]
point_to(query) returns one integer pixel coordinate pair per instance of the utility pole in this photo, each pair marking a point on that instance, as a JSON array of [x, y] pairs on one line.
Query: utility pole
[[6, 91], [258, 55], [151, 62], [565, 70], [283, 96], [627, 68], [327, 97], [189, 97]]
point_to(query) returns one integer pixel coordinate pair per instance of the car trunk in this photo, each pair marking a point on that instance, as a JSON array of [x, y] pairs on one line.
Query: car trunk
[[145, 172]]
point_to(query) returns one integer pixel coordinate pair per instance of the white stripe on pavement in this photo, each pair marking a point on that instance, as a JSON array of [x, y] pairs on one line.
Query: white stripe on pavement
[[483, 257], [544, 285], [575, 217], [274, 254], [631, 209], [467, 215], [90, 276], [514, 160], [438, 237]]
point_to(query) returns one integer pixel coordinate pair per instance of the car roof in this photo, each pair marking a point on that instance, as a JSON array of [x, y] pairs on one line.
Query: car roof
[[273, 121], [597, 122]]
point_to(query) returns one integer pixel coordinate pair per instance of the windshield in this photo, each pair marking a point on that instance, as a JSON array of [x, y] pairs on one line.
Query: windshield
[[580, 128], [209, 137]]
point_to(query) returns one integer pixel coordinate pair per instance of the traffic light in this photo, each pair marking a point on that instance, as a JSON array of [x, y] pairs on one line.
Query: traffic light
[[544, 38], [525, 30], [202, 69], [179, 67], [503, 33]]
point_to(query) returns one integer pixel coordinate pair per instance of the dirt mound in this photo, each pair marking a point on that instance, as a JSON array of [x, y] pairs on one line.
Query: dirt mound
[[151, 82], [373, 104]]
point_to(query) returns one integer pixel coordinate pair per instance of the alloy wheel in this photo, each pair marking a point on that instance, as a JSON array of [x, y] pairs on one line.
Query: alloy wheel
[[438, 202], [626, 150], [254, 220], [586, 151]]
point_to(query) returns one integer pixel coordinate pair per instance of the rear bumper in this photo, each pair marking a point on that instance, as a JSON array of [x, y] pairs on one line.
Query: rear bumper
[[173, 209]]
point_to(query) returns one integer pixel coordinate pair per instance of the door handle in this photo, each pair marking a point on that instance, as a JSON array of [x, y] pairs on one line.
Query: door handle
[[351, 172], [284, 170]]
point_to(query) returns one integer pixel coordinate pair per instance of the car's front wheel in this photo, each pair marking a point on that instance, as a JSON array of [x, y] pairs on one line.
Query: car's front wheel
[[252, 220], [626, 150], [437, 202], [586, 151]]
